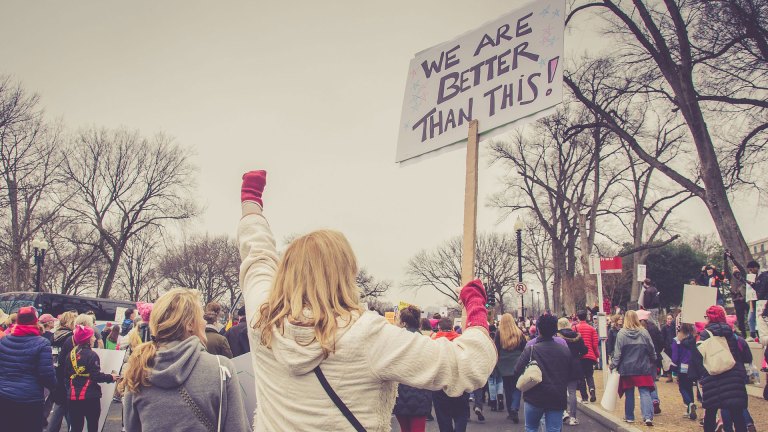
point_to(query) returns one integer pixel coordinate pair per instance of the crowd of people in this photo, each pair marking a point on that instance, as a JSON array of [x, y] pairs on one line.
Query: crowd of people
[[322, 363]]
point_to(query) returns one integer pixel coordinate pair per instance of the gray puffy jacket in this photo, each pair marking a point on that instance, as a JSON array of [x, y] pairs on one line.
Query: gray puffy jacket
[[634, 353]]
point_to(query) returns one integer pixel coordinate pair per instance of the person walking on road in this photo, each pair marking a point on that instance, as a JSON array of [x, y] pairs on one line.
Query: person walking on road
[[588, 360], [548, 398], [510, 343], [683, 347], [634, 356], [578, 349], [237, 335], [412, 405], [311, 339], [26, 368], [726, 391], [215, 343], [173, 374], [658, 346]]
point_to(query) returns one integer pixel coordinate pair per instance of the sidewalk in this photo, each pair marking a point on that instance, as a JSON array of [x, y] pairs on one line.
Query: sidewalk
[[672, 408]]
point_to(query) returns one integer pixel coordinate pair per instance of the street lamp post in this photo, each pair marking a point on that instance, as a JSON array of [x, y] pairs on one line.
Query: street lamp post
[[39, 245], [538, 305], [519, 230]]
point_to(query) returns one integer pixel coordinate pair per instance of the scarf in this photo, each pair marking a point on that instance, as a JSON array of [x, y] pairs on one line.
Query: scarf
[[26, 330]]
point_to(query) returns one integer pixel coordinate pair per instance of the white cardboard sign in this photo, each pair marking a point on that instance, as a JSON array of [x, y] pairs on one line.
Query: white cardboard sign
[[111, 361], [641, 272], [506, 70], [696, 300]]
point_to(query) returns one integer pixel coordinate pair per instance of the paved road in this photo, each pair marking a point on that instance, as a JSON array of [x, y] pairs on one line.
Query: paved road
[[494, 422]]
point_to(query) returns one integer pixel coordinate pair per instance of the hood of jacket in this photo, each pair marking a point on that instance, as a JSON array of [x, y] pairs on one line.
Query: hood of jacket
[[60, 335], [720, 329], [297, 348], [450, 335], [175, 361], [689, 342], [125, 327], [569, 335], [631, 333]]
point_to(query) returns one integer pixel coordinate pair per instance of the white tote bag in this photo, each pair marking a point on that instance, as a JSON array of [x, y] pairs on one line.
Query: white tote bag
[[611, 393]]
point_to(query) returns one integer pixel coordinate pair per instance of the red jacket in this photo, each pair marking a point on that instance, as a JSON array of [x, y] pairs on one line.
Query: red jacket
[[589, 334], [450, 335]]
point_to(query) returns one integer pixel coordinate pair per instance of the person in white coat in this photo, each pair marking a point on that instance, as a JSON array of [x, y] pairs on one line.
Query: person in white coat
[[311, 342]]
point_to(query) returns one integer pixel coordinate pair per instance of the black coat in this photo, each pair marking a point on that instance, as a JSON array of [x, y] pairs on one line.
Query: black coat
[[610, 344], [668, 333], [62, 340], [550, 394], [657, 338], [81, 387], [411, 401], [727, 390], [578, 349], [237, 336]]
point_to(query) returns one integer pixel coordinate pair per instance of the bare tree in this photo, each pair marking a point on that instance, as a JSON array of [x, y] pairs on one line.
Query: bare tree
[[371, 288], [440, 268], [28, 160], [72, 261], [206, 263], [121, 184], [537, 254], [661, 61], [138, 276]]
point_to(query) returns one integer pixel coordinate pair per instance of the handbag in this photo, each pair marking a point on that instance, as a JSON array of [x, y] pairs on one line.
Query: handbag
[[531, 377], [716, 354], [337, 401]]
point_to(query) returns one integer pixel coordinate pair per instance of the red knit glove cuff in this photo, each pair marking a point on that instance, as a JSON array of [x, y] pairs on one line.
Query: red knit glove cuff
[[473, 297], [253, 186]]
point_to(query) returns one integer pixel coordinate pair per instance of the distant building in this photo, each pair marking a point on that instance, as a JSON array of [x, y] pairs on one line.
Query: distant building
[[759, 251]]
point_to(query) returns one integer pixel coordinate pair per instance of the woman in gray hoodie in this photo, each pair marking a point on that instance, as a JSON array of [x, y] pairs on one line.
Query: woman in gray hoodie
[[634, 356], [172, 383]]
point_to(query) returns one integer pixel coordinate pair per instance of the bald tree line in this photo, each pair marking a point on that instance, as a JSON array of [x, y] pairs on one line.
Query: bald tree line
[[107, 202], [674, 110]]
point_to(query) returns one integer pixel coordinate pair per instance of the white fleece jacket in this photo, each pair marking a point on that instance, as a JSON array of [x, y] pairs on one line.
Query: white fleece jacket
[[371, 356]]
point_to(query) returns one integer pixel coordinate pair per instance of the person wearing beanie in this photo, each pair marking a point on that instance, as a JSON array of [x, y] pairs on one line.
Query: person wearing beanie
[[577, 348], [47, 321], [634, 356], [237, 336], [83, 391], [26, 368], [726, 391], [547, 399], [657, 338], [215, 343], [145, 311]]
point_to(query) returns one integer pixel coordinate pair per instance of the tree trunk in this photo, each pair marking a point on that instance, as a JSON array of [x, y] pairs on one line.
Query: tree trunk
[[114, 264]]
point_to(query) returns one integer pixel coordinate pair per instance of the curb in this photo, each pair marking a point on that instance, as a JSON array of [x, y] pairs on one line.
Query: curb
[[606, 419]]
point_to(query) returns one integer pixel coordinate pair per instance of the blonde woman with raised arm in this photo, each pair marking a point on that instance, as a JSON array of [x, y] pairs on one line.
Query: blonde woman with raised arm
[[310, 338]]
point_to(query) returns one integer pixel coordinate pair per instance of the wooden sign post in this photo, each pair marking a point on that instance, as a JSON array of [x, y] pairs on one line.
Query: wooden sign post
[[470, 212]]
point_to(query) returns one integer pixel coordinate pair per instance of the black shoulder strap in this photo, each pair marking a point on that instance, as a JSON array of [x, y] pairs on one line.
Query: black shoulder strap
[[337, 400]]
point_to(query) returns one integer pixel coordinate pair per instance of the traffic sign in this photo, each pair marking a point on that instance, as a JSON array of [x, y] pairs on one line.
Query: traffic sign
[[521, 288]]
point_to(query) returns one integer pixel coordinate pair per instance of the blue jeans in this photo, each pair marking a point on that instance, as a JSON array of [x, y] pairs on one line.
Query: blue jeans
[[646, 403], [686, 388], [725, 415], [552, 418], [495, 386], [752, 317], [511, 394]]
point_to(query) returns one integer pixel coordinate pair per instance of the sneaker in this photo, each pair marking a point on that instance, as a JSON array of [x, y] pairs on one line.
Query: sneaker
[[480, 416], [565, 416], [513, 416], [592, 395], [648, 422], [629, 421], [692, 411], [656, 407], [573, 421], [751, 428], [585, 401]]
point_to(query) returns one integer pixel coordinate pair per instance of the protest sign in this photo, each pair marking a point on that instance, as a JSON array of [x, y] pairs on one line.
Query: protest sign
[[641, 272], [696, 300], [389, 316], [120, 314], [247, 381], [111, 361], [506, 70], [402, 305]]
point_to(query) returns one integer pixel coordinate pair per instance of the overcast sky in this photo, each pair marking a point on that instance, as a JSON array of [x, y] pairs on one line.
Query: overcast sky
[[309, 90]]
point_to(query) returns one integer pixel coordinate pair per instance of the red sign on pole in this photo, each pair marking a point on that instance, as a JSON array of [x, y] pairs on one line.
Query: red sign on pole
[[610, 265]]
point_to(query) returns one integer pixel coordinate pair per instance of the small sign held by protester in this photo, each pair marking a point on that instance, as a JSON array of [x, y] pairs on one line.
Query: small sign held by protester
[[696, 300]]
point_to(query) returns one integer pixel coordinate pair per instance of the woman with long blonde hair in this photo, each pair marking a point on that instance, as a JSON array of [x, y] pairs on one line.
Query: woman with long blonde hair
[[311, 340], [172, 373], [634, 356], [510, 343]]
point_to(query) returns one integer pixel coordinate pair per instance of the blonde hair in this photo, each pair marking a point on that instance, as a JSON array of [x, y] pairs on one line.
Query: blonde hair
[[510, 334], [563, 323], [176, 316], [318, 272], [84, 320], [67, 320], [631, 321]]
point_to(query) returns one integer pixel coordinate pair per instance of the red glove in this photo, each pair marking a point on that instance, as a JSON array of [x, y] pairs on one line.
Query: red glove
[[473, 297], [253, 186]]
